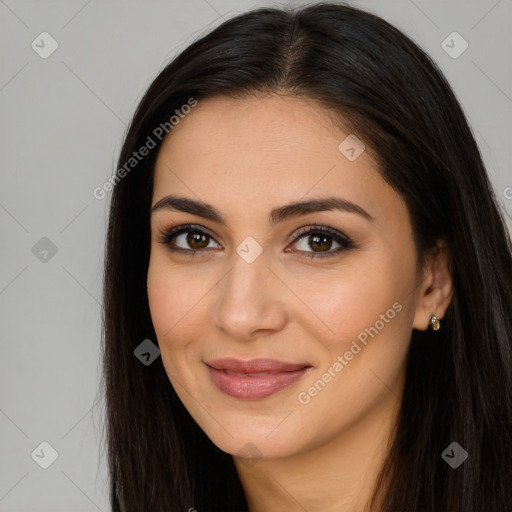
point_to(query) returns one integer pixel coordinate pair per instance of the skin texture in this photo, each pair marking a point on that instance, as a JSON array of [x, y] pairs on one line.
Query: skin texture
[[246, 157]]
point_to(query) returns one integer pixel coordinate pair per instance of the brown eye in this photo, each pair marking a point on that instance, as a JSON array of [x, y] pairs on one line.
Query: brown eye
[[195, 239], [186, 239], [320, 240]]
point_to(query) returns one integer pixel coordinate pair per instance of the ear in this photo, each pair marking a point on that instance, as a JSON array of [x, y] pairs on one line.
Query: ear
[[436, 289]]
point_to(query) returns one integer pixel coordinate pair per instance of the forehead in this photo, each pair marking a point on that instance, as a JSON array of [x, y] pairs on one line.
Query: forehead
[[282, 127], [256, 152]]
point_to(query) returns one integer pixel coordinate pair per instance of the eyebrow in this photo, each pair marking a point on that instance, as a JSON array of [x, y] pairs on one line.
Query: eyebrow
[[277, 215]]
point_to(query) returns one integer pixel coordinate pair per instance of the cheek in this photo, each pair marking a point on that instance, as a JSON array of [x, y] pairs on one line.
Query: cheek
[[172, 295], [168, 304], [169, 297], [162, 303], [345, 302], [176, 301], [370, 315]]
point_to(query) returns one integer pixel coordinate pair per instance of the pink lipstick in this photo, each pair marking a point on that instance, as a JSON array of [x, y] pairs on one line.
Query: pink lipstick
[[254, 379]]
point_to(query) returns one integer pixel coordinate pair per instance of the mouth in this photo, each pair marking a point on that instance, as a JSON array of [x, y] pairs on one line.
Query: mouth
[[254, 379]]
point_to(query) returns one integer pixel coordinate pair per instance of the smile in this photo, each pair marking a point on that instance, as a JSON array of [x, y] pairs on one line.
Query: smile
[[256, 379]]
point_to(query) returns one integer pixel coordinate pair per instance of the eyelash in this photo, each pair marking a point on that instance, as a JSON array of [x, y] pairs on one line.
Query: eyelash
[[345, 242]]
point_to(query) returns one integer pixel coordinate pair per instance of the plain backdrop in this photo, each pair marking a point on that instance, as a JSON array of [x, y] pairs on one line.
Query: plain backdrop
[[62, 121]]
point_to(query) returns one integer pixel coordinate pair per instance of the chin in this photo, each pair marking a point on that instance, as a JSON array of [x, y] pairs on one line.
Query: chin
[[255, 436]]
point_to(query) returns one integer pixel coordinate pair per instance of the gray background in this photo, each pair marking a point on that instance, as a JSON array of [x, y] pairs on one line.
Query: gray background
[[62, 123]]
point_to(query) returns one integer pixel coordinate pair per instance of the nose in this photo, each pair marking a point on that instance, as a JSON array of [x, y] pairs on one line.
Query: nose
[[250, 300]]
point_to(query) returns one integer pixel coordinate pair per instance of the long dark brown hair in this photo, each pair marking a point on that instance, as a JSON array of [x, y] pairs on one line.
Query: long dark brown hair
[[459, 379]]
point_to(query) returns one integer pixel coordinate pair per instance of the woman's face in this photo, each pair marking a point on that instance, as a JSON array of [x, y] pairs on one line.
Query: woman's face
[[333, 310]]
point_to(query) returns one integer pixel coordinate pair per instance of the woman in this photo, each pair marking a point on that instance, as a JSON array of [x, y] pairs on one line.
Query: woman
[[301, 222]]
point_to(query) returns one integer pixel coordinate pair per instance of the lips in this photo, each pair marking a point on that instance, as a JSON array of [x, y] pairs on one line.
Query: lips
[[254, 379], [254, 366]]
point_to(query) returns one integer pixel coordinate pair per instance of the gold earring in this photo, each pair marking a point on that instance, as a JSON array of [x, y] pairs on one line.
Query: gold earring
[[435, 324]]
